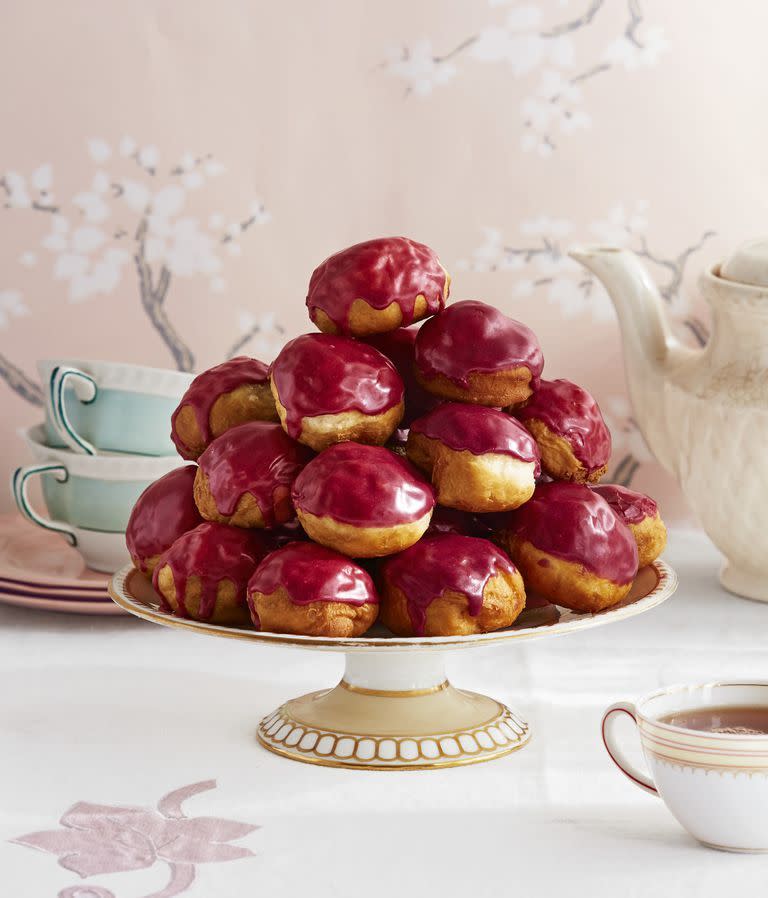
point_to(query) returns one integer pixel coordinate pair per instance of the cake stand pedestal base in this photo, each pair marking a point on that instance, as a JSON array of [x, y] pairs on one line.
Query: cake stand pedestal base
[[393, 711]]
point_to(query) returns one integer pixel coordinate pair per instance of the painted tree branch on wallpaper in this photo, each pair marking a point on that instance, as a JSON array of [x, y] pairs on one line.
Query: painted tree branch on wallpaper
[[132, 218], [531, 46], [539, 259]]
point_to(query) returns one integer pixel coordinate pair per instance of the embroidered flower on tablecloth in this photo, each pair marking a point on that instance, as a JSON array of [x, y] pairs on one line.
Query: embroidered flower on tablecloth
[[99, 839], [85, 892]]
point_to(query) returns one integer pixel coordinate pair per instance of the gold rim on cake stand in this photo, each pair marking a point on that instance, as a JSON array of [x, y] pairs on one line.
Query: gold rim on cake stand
[[394, 708]]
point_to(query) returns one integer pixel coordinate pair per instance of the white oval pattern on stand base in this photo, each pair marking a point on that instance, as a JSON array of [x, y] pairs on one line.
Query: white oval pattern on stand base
[[285, 733]]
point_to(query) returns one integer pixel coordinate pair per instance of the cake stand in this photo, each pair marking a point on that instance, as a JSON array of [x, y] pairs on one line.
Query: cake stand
[[394, 708]]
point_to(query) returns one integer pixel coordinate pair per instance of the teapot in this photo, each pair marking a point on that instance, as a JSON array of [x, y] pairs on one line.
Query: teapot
[[704, 412]]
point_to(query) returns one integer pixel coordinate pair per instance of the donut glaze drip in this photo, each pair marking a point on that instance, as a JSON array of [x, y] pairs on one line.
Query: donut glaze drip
[[572, 522], [322, 374], [257, 458], [630, 506], [571, 413], [437, 564], [366, 486], [380, 272], [470, 336], [311, 573], [479, 430], [162, 513], [206, 388], [399, 346], [213, 552]]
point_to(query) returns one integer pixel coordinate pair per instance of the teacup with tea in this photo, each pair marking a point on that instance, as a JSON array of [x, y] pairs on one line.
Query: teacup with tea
[[707, 750]]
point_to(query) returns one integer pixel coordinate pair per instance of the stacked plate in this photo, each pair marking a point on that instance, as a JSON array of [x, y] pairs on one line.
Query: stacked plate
[[39, 570]]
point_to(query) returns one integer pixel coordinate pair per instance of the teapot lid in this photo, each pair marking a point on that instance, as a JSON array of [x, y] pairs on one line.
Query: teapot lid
[[749, 264]]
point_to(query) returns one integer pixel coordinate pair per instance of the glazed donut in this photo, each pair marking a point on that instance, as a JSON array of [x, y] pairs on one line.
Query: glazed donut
[[307, 589], [479, 459], [245, 476], [205, 573], [364, 501], [571, 548], [329, 389], [400, 348], [222, 397], [641, 514], [376, 286], [567, 424], [473, 353], [450, 586], [162, 513]]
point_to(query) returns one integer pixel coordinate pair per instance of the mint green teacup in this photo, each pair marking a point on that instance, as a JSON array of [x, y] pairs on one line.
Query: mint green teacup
[[89, 498], [93, 407]]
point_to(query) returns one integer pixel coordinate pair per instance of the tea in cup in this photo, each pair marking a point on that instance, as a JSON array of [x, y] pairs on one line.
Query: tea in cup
[[707, 751]]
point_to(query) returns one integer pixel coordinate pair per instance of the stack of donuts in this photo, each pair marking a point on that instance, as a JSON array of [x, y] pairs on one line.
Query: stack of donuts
[[425, 476]]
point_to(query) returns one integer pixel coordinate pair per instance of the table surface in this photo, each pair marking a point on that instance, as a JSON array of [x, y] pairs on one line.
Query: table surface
[[108, 724]]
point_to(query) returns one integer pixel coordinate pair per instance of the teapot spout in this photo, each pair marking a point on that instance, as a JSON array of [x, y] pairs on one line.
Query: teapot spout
[[650, 349]]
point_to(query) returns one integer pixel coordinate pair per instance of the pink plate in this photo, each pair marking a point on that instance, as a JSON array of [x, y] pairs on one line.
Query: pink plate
[[39, 570], [68, 606], [39, 556]]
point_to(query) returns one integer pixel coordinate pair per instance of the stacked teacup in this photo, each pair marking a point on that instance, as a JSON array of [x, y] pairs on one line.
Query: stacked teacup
[[104, 439]]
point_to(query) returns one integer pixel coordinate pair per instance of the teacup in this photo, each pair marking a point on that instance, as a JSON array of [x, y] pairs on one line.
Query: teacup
[[89, 498], [94, 407], [715, 783]]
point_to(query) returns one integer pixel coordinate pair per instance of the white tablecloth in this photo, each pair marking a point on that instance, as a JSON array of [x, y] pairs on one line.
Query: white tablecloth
[[98, 715]]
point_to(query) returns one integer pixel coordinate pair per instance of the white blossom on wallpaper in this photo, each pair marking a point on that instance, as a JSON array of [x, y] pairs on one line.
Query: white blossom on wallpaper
[[545, 50], [263, 333], [538, 257], [130, 221]]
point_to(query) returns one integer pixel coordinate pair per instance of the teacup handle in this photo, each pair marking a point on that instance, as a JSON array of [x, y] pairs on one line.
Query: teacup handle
[[614, 750], [85, 390], [19, 489]]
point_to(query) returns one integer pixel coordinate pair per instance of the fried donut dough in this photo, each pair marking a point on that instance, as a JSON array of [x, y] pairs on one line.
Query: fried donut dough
[[571, 547], [364, 501], [307, 589], [222, 397], [329, 389], [245, 476], [566, 422], [376, 286], [641, 514], [450, 586], [162, 513], [471, 352], [479, 459], [205, 573]]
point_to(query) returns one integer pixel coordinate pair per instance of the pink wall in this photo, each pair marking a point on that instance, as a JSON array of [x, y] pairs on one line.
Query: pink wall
[[253, 139]]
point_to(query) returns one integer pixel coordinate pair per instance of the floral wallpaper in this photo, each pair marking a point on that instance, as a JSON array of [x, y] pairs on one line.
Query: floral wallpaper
[[170, 176], [129, 221], [547, 53]]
